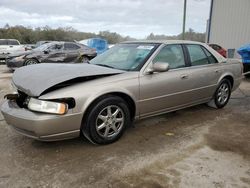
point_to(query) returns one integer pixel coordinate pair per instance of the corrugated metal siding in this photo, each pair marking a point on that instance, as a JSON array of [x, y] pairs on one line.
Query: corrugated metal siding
[[230, 23]]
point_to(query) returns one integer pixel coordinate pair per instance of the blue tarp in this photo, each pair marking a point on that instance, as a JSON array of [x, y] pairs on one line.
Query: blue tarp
[[244, 51], [101, 45]]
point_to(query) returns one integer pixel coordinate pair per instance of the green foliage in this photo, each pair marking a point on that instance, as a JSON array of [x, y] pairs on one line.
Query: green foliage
[[113, 37], [28, 35], [189, 35]]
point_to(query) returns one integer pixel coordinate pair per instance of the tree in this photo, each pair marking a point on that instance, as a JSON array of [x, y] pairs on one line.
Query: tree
[[189, 35], [28, 35]]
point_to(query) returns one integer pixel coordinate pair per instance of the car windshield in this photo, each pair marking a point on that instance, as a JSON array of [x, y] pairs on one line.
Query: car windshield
[[127, 56]]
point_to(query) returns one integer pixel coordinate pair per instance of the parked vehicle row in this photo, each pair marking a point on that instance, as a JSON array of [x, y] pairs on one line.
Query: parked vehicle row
[[52, 52], [11, 49], [130, 81]]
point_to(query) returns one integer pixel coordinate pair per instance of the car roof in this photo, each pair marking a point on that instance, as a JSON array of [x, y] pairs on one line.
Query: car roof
[[165, 42], [9, 39], [219, 57], [60, 42]]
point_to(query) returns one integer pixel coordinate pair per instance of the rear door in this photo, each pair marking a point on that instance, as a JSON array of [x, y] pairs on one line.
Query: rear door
[[71, 51], [204, 72]]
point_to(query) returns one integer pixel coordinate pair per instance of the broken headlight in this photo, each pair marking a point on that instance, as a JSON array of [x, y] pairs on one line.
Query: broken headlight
[[47, 106]]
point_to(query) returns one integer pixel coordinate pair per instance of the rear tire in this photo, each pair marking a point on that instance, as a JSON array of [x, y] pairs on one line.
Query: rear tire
[[106, 120], [222, 94]]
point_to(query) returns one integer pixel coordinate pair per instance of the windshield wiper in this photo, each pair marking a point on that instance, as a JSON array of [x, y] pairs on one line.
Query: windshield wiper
[[104, 65]]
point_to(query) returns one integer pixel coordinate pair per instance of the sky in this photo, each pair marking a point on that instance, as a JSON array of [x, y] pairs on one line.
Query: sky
[[136, 18]]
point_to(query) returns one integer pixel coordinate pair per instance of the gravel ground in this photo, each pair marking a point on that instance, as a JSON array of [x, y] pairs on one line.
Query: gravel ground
[[195, 147]]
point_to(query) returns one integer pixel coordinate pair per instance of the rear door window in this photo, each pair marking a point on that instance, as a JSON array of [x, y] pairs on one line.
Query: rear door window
[[55, 47], [71, 46], [210, 56], [197, 55]]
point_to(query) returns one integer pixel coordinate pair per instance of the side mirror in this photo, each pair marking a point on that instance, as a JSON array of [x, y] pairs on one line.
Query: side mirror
[[159, 67]]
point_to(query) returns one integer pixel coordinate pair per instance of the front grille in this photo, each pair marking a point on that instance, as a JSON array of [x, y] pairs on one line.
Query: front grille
[[3, 57], [22, 99], [2, 61]]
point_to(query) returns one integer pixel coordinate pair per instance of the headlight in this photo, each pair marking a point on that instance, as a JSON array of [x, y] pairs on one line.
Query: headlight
[[47, 106], [19, 58]]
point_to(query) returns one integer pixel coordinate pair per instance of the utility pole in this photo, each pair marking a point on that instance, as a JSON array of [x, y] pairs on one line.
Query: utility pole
[[184, 19]]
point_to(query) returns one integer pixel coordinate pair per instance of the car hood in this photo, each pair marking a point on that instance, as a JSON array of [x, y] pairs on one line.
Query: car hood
[[34, 80]]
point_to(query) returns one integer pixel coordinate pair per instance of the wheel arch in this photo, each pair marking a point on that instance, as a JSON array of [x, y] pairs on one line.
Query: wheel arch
[[126, 97], [228, 77], [231, 79], [35, 58]]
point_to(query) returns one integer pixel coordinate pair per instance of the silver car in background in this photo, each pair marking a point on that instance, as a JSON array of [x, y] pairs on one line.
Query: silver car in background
[[132, 80]]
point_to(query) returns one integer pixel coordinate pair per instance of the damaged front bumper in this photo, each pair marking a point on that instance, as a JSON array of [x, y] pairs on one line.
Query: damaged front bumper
[[45, 127], [12, 64], [3, 58]]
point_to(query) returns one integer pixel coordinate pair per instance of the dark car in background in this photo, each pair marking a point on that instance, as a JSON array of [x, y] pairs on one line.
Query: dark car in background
[[219, 49], [54, 52]]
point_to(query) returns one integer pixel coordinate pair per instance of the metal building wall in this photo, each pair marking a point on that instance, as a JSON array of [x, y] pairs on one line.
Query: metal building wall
[[230, 23]]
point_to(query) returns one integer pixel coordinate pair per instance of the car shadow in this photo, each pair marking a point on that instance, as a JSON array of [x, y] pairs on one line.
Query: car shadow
[[146, 128]]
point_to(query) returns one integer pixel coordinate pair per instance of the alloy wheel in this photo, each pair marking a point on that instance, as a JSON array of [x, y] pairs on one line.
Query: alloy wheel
[[223, 93], [31, 62], [110, 121]]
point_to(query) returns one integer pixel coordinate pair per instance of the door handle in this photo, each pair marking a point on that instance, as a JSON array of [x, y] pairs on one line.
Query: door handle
[[185, 76]]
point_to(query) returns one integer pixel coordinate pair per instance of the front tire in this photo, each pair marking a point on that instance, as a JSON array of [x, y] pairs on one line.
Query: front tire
[[222, 94], [107, 120], [30, 62], [85, 59]]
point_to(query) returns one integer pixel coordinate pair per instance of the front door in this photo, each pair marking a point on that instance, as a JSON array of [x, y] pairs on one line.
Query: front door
[[55, 54], [164, 91]]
